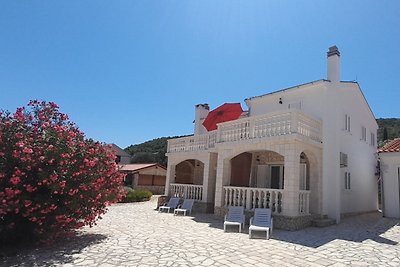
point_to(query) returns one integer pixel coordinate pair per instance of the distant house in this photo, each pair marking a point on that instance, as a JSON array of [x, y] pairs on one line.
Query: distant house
[[304, 152], [149, 176], [389, 156], [122, 156]]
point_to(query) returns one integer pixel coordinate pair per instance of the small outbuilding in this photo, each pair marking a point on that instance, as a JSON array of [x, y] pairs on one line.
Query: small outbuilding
[[121, 156], [150, 176], [389, 156]]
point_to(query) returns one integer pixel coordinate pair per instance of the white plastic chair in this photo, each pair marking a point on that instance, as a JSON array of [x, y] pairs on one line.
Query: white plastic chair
[[172, 204], [261, 221], [235, 216], [185, 207]]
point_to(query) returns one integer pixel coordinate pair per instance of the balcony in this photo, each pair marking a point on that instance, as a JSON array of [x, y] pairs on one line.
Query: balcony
[[251, 128]]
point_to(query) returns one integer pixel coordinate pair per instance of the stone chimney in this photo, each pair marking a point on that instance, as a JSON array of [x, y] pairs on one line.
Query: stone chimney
[[334, 64], [201, 112]]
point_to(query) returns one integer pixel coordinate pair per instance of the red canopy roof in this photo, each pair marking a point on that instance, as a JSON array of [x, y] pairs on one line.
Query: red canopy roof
[[223, 113]]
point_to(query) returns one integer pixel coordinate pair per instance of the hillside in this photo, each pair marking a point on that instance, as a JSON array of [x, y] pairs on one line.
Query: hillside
[[154, 150], [388, 129], [150, 151]]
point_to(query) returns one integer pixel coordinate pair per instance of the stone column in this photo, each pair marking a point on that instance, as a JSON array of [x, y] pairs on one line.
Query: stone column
[[222, 179], [209, 178], [170, 177], [135, 180], [291, 186]]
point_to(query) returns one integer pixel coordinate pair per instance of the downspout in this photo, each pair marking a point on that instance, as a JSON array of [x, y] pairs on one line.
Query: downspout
[[381, 184]]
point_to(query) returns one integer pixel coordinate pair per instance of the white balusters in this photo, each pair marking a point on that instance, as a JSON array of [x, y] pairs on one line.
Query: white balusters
[[304, 202], [188, 191]]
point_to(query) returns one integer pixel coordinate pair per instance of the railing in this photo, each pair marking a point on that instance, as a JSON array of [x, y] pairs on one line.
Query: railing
[[192, 143], [257, 127], [188, 191], [304, 202], [251, 198]]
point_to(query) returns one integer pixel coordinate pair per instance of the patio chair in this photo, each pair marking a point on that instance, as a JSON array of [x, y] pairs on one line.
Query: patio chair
[[172, 204], [185, 207], [235, 216], [261, 221]]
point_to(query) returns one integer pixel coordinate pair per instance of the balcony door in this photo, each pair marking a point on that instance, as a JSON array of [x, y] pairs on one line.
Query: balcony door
[[277, 176], [270, 176]]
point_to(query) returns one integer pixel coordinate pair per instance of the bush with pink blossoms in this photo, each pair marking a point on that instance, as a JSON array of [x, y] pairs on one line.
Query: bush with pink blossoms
[[52, 179]]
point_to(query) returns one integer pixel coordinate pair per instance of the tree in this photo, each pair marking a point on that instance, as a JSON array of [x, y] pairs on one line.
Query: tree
[[385, 134], [52, 179]]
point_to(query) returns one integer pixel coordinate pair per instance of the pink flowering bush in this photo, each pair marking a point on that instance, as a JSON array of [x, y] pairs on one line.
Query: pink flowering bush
[[52, 179]]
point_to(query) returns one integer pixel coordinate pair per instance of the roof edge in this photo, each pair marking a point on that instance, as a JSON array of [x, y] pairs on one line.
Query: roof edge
[[289, 88]]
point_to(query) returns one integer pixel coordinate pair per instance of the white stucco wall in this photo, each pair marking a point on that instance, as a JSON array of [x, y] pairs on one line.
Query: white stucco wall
[[390, 163], [330, 102], [362, 158]]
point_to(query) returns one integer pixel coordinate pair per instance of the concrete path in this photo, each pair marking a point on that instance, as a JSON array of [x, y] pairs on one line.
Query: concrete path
[[137, 235]]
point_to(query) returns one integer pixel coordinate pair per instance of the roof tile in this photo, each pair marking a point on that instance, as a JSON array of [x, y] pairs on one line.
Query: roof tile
[[392, 146]]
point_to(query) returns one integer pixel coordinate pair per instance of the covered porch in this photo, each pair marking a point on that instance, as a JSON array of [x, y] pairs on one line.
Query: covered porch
[[285, 178], [192, 176]]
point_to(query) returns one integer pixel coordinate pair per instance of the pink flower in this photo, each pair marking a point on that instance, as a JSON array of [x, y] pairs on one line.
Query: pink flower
[[20, 144], [27, 203], [19, 135], [71, 134], [27, 150], [53, 177], [30, 188], [15, 180]]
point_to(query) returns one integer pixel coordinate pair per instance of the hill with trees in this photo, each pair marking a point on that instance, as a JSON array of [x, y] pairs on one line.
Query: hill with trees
[[388, 129], [154, 150]]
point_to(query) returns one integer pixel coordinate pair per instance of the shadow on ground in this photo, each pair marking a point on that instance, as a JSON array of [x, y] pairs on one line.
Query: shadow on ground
[[60, 252], [356, 229]]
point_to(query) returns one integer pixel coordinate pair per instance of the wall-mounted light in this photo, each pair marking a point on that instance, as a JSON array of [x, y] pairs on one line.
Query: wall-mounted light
[[280, 100]]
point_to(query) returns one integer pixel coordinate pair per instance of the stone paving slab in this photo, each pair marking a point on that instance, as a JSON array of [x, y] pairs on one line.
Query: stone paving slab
[[134, 234]]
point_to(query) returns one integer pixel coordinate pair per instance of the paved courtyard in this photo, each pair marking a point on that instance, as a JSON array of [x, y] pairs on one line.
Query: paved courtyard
[[137, 235]]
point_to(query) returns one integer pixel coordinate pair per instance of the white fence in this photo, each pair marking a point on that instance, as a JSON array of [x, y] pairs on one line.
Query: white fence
[[251, 198], [188, 191]]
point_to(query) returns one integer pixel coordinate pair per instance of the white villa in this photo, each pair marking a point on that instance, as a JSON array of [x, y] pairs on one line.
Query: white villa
[[306, 151]]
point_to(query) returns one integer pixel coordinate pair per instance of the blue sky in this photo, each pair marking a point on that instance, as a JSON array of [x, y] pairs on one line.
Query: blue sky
[[130, 71]]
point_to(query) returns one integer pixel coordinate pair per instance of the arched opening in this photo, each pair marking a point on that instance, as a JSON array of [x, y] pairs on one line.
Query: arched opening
[[259, 169], [190, 171], [304, 172], [310, 180]]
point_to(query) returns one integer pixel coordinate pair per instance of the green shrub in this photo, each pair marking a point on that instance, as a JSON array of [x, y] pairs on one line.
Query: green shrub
[[128, 189], [137, 196]]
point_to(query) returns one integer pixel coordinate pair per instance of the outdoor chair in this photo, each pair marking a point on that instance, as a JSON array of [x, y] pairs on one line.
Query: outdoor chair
[[261, 221], [172, 204], [185, 207], [235, 216]]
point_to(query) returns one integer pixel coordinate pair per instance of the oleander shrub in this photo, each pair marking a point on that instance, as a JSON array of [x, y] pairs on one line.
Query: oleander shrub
[[52, 179], [137, 195]]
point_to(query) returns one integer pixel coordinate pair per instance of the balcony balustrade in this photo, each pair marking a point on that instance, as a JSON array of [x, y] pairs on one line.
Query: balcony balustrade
[[251, 128]]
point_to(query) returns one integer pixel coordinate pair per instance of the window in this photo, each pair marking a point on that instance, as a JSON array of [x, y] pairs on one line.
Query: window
[[372, 143], [363, 134], [296, 105], [347, 181], [343, 160], [347, 123]]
